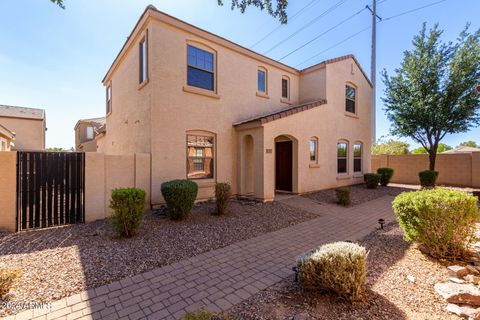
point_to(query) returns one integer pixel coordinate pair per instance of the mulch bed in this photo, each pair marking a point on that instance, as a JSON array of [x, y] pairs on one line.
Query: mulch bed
[[358, 194], [59, 262], [390, 295]]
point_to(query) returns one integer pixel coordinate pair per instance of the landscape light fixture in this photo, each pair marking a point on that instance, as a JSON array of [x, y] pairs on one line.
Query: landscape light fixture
[[381, 222]]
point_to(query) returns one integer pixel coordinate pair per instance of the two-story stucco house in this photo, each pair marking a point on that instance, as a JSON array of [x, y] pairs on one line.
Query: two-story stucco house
[[211, 110], [86, 132]]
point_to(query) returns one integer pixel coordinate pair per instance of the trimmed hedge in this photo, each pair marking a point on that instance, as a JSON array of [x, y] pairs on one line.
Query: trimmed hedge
[[128, 205], [428, 178], [180, 196], [441, 220], [343, 196], [223, 195], [371, 180], [386, 175], [338, 267], [7, 280]]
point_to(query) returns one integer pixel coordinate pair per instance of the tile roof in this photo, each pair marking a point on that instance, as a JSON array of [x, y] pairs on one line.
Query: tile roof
[[99, 121], [462, 149], [21, 112], [283, 113]]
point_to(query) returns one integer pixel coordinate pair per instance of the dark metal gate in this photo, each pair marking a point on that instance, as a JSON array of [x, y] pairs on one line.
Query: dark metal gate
[[50, 189]]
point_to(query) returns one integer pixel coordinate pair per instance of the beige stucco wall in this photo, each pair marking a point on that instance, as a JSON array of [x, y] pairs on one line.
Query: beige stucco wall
[[4, 143], [29, 133], [461, 169], [8, 185], [100, 141], [313, 85]]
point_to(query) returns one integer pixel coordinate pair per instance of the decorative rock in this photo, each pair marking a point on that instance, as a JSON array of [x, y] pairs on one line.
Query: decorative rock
[[457, 271], [300, 316], [472, 279], [459, 293], [456, 280], [464, 311], [410, 278], [472, 270]]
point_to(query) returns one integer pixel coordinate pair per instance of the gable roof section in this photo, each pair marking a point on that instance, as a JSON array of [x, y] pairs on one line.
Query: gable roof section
[[282, 113], [98, 122], [22, 112], [151, 12]]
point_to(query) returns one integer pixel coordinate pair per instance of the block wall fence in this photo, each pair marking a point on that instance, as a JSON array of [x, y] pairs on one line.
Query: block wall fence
[[461, 169], [103, 173]]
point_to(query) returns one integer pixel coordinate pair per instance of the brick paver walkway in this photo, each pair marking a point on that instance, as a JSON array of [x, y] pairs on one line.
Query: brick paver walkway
[[220, 278]]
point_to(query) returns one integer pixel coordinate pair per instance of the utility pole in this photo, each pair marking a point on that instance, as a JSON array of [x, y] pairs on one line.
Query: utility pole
[[373, 65]]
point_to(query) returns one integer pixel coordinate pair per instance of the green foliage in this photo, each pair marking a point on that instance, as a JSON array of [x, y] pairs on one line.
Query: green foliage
[[338, 267], [280, 10], [433, 91], [371, 180], [223, 195], [59, 3], [441, 220], [428, 178], [128, 205], [441, 148], [386, 175], [469, 143], [7, 280], [180, 196], [390, 147], [343, 196], [203, 314]]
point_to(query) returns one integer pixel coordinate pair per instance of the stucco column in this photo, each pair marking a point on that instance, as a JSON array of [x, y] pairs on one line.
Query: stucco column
[[8, 190]]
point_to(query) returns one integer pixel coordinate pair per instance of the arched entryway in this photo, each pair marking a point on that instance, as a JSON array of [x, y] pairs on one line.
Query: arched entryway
[[285, 163]]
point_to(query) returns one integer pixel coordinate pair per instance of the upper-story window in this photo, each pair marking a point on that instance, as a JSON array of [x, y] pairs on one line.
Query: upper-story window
[[285, 87], [109, 99], [350, 98], [262, 80], [89, 133], [342, 157], [357, 157], [143, 60], [201, 71]]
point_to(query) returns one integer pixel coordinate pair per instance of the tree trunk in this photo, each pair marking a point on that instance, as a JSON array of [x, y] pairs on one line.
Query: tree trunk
[[432, 157]]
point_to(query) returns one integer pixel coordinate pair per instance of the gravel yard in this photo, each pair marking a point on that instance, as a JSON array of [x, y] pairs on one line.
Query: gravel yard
[[60, 262], [390, 295], [359, 193]]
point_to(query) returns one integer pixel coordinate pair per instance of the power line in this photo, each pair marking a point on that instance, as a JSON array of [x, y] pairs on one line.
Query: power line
[[367, 28], [314, 20], [323, 33], [289, 19]]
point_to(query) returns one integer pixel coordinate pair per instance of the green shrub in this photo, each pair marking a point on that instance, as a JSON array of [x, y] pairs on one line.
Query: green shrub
[[223, 195], [180, 196], [386, 175], [7, 280], [428, 178], [343, 196], [338, 267], [128, 205], [371, 180], [203, 314], [441, 220]]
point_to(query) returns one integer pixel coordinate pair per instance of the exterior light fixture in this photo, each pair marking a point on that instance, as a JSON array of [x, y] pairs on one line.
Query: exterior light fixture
[[381, 222]]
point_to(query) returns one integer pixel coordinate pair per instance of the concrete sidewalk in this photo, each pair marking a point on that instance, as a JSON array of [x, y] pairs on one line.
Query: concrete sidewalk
[[221, 278]]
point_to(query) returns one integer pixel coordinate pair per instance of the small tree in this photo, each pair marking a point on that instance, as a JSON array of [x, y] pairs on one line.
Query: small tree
[[390, 147], [278, 11], [433, 91], [441, 148], [469, 143]]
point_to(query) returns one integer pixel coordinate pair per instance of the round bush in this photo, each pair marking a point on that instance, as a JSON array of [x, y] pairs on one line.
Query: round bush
[[428, 178], [343, 196], [371, 180], [180, 196], [222, 195], [128, 205], [441, 220], [386, 175], [338, 267]]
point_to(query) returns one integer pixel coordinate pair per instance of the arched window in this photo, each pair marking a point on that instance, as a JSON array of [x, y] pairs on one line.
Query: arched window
[[200, 155], [342, 157], [357, 157], [262, 80], [350, 98], [313, 149]]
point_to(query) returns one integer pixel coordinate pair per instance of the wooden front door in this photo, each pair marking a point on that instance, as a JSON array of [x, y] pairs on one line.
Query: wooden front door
[[283, 165]]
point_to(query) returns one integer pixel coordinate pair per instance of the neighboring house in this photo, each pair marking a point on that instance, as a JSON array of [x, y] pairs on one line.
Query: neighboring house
[[28, 124], [462, 149], [6, 138], [210, 110], [86, 131]]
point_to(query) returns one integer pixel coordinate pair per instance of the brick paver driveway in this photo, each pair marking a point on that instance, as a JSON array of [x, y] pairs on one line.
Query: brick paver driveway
[[221, 278]]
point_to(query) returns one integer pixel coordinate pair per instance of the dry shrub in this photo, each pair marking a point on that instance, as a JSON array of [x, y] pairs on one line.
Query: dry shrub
[[338, 267], [7, 280]]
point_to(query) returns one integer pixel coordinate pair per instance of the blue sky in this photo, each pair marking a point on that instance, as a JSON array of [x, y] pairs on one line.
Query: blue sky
[[55, 59]]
